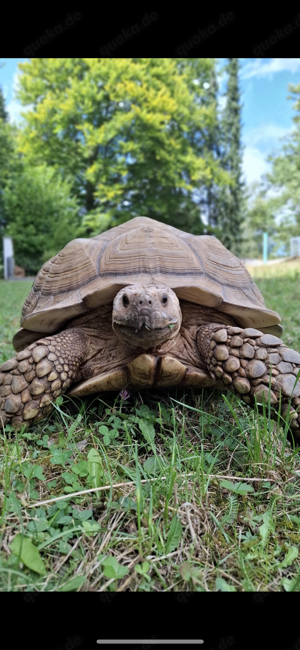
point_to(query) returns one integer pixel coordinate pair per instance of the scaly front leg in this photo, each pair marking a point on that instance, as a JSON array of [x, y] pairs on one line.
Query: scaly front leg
[[35, 377], [244, 359]]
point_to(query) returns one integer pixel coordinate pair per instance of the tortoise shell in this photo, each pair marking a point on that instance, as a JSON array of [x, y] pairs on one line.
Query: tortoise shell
[[89, 272]]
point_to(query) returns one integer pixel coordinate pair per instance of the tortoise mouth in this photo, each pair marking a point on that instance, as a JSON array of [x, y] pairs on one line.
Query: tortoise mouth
[[145, 336], [146, 327]]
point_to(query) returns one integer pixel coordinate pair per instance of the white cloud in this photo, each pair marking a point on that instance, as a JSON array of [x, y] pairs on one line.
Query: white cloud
[[270, 119], [266, 132], [16, 83], [14, 109], [254, 164], [221, 75], [265, 67], [222, 101]]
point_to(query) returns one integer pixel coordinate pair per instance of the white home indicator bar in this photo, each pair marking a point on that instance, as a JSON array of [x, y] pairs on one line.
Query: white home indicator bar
[[150, 641]]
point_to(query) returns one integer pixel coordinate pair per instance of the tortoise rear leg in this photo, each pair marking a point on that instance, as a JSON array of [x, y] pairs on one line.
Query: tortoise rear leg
[[35, 377], [243, 360]]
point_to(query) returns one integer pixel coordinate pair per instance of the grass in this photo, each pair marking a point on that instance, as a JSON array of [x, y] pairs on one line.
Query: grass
[[199, 492], [279, 284]]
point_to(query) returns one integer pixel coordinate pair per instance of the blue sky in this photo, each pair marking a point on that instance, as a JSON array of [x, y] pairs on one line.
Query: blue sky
[[266, 113]]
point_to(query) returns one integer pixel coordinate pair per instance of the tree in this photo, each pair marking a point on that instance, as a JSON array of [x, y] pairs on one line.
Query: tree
[[231, 203], [279, 197], [205, 139], [3, 111], [42, 218], [213, 145], [7, 158], [284, 177], [127, 131], [259, 218]]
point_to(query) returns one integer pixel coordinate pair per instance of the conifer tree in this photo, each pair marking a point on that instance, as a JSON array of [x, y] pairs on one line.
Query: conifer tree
[[214, 148], [231, 206], [3, 112], [205, 138]]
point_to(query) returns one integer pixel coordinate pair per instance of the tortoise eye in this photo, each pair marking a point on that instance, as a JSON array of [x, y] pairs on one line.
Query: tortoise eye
[[125, 300], [164, 299]]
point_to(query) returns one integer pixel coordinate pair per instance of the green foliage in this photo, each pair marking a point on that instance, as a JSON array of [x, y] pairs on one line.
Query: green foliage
[[60, 457], [174, 536], [238, 488], [74, 584], [291, 584], [3, 111], [130, 132], [191, 574], [113, 569], [143, 569], [291, 555], [28, 553], [7, 145], [147, 430], [231, 199], [95, 468], [94, 222], [260, 218], [42, 217], [205, 139], [109, 435], [230, 516], [7, 160], [135, 136], [267, 527], [214, 147], [222, 585], [279, 284], [276, 208], [284, 178]]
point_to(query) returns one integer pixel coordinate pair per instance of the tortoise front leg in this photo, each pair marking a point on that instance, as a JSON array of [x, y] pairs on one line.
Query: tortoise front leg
[[244, 358], [35, 377]]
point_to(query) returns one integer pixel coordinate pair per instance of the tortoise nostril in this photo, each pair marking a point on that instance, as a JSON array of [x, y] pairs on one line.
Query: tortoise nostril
[[141, 302], [150, 302], [125, 300]]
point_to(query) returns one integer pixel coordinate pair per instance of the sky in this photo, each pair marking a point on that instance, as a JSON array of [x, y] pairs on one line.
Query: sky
[[266, 112]]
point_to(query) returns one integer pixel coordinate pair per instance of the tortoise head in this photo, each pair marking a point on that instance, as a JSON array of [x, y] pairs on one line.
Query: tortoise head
[[146, 316]]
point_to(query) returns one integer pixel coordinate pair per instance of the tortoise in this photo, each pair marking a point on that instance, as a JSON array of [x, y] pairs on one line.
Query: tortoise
[[141, 305]]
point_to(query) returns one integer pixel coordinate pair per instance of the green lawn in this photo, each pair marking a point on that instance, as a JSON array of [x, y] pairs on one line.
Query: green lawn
[[200, 493]]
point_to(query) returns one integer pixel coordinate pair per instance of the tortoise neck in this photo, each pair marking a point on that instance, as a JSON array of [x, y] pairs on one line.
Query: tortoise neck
[[194, 314]]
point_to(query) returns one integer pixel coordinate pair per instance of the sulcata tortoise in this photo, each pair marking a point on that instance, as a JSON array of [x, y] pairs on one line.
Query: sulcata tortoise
[[145, 304]]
